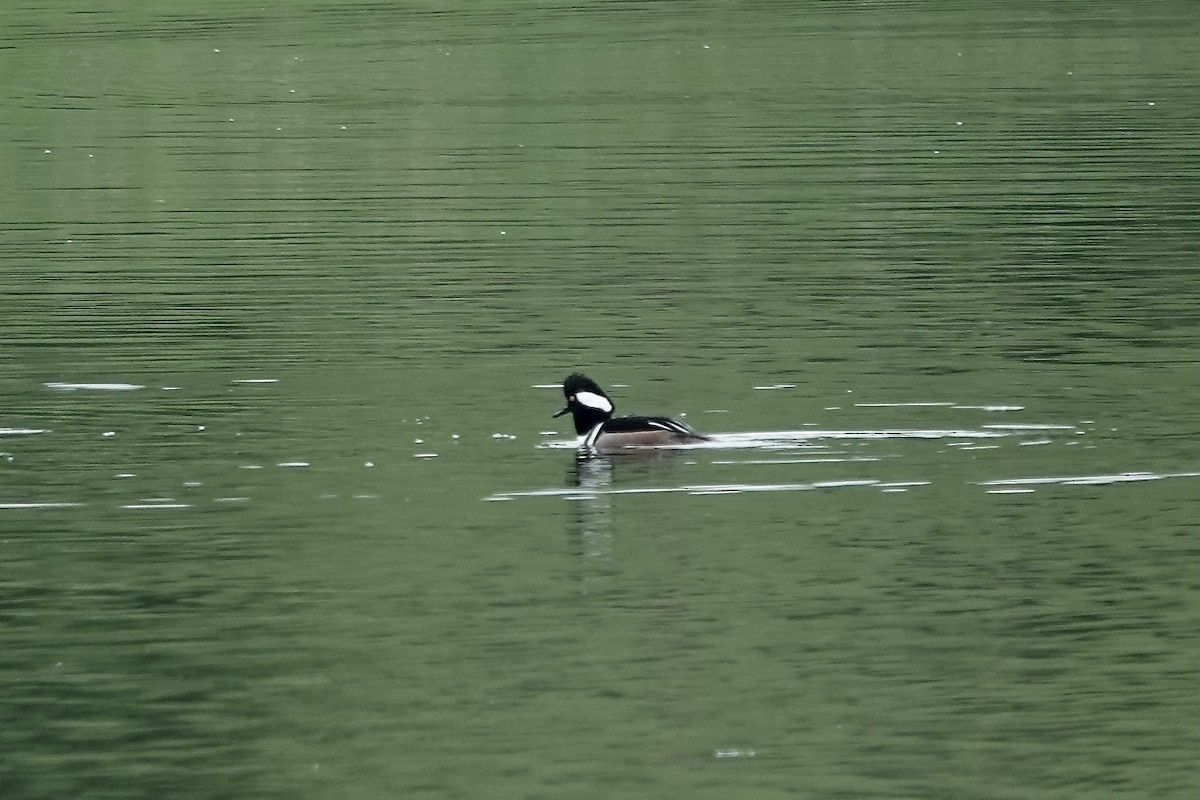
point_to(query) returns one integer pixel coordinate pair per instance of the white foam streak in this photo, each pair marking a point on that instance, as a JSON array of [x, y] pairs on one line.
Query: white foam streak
[[94, 387], [39, 505], [1027, 426], [726, 488], [768, 438], [157, 505], [831, 460], [1089, 480], [920, 404]]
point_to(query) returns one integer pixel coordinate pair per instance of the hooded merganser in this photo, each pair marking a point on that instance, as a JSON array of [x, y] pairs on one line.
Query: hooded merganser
[[592, 411]]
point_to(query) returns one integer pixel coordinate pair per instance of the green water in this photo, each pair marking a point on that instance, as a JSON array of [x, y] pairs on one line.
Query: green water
[[285, 296]]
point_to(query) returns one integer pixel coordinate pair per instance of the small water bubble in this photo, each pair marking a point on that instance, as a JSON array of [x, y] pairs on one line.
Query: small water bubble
[[216, 50], [418, 441], [47, 152], [454, 436], [109, 434], [368, 464]]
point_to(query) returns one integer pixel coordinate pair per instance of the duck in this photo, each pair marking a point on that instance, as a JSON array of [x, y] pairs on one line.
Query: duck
[[592, 411]]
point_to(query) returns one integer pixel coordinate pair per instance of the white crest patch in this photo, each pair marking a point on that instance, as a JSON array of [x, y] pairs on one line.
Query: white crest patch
[[593, 400]]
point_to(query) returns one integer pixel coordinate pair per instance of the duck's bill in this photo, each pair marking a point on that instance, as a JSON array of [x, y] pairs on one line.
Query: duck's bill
[[560, 413]]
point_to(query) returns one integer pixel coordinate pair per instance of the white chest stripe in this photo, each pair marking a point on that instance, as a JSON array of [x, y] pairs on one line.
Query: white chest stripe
[[589, 441], [593, 400]]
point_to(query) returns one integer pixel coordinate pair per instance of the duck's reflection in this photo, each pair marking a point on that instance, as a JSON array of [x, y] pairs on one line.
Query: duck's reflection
[[592, 529], [592, 520]]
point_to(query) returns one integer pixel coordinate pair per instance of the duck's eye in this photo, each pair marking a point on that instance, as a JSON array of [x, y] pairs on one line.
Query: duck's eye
[[571, 399]]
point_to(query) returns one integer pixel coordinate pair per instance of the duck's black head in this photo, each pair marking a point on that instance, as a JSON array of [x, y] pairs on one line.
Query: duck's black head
[[586, 401]]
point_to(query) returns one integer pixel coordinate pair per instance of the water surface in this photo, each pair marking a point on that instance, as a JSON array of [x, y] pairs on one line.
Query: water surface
[[282, 509]]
